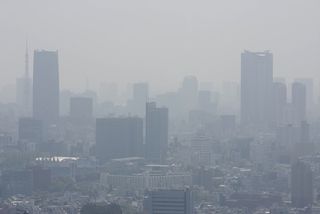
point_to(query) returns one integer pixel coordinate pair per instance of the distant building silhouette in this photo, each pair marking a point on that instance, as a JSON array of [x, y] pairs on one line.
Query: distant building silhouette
[[286, 138], [168, 202], [46, 86], [308, 83], [256, 88], [301, 185], [299, 102], [279, 100], [156, 132], [304, 145], [188, 94], [119, 137]]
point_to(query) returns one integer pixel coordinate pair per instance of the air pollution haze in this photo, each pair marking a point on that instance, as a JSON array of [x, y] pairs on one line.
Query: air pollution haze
[[159, 107], [127, 41]]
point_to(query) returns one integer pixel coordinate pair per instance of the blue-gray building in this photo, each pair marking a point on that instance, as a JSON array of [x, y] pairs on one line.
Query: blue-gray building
[[119, 137], [168, 202], [156, 132]]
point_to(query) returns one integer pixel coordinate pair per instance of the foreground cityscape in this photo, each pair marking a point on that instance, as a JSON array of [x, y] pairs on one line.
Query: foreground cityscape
[[250, 147]]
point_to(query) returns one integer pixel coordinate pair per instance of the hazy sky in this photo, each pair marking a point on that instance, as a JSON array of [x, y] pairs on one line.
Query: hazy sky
[[159, 41]]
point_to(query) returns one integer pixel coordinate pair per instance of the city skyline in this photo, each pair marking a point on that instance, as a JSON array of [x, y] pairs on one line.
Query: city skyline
[[149, 107], [201, 43]]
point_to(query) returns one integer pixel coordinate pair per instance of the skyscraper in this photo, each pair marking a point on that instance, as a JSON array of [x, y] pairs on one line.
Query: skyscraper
[[301, 185], [188, 94], [256, 88], [156, 132], [46, 87], [119, 137], [299, 102], [308, 83], [279, 100], [168, 202]]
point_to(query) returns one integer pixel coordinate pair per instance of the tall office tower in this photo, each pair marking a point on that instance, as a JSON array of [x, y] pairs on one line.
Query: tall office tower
[[308, 83], [279, 100], [304, 132], [30, 130], [81, 108], [256, 88], [301, 185], [287, 137], [168, 202], [304, 146], [299, 102], [46, 87], [189, 93], [156, 132], [119, 137], [23, 90]]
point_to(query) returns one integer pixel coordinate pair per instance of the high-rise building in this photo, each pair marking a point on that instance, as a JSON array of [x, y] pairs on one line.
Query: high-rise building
[[308, 83], [299, 102], [119, 137], [168, 202], [156, 132], [279, 100], [188, 94], [46, 87], [304, 145], [301, 185], [256, 88]]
